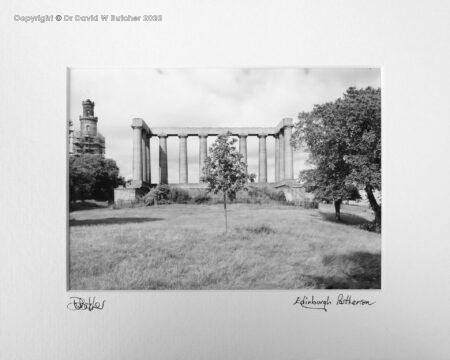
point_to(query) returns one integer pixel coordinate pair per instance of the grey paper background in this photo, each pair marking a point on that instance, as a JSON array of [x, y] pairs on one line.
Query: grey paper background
[[408, 39]]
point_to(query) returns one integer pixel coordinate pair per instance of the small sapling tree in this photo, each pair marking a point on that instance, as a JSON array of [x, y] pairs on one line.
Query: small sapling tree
[[225, 171]]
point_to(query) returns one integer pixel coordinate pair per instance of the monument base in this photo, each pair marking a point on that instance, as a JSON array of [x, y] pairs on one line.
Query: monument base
[[129, 195], [293, 191], [125, 196], [138, 184]]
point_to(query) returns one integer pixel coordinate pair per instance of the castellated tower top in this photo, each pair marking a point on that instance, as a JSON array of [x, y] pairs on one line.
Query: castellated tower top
[[88, 122], [88, 108]]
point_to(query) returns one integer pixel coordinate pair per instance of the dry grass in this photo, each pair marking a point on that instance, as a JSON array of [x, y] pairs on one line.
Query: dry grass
[[184, 247]]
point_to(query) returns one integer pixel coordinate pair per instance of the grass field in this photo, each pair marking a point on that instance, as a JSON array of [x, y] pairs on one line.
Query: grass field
[[184, 247]]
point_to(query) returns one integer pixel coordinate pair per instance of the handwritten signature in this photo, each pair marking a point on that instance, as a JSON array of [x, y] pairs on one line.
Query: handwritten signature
[[313, 303], [321, 304], [78, 303]]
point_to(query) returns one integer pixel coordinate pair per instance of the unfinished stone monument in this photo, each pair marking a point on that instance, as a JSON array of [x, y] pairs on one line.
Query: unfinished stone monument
[[141, 182]]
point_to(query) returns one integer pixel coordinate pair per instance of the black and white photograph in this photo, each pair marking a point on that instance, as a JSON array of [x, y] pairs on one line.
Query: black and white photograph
[[197, 180], [250, 178]]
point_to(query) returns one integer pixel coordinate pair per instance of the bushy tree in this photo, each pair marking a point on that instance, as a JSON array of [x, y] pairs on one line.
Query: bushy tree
[[93, 177], [344, 140], [225, 170]]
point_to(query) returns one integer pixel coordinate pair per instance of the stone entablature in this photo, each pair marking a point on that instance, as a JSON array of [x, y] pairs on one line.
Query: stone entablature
[[215, 131], [209, 131]]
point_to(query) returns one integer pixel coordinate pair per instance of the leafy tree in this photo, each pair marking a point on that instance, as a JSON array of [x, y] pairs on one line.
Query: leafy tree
[[225, 171], [93, 177], [344, 138], [81, 179]]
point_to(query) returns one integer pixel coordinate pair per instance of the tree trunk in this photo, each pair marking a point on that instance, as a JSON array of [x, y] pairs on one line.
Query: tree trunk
[[225, 210], [337, 209], [373, 204]]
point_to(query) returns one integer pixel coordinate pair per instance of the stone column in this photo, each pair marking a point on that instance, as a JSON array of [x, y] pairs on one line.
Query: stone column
[[243, 147], [144, 157], [281, 155], [137, 153], [183, 162], [288, 154], [163, 175], [203, 152], [262, 178], [147, 155], [277, 158]]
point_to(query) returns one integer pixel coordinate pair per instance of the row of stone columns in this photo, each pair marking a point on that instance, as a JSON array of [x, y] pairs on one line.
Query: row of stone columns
[[141, 156]]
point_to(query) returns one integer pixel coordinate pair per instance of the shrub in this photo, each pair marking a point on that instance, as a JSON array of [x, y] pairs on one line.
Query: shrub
[[252, 192], [165, 194], [159, 194], [277, 195], [162, 192], [263, 195], [179, 196], [202, 198], [149, 198]]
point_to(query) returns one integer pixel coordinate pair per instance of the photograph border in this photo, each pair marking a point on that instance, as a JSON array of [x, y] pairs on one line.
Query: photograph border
[[407, 320], [70, 69]]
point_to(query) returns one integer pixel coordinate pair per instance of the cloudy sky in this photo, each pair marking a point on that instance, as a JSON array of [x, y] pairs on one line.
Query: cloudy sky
[[204, 97]]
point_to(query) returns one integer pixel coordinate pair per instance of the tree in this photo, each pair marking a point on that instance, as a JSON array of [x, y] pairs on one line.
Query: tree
[[328, 185], [344, 140], [81, 179], [93, 177], [225, 171]]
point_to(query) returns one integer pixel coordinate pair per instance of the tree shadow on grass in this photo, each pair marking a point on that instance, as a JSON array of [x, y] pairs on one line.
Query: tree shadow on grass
[[87, 205], [346, 218], [112, 221], [358, 270]]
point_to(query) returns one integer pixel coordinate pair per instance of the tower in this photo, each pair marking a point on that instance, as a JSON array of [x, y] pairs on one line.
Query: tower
[[87, 140], [88, 122]]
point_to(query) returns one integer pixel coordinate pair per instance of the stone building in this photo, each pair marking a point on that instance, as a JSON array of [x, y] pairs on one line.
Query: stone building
[[86, 140], [142, 177]]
